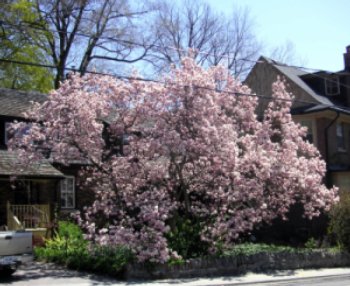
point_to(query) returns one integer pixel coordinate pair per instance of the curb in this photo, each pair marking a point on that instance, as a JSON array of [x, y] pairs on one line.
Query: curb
[[287, 280], [255, 278]]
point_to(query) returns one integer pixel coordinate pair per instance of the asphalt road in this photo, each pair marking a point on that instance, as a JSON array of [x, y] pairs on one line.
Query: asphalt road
[[341, 280], [52, 275]]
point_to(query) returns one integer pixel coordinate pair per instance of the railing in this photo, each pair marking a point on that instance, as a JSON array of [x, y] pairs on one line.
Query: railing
[[13, 222], [27, 216]]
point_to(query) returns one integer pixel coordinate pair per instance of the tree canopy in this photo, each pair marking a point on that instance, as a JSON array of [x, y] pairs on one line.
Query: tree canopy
[[16, 48], [71, 34], [108, 35], [185, 150]]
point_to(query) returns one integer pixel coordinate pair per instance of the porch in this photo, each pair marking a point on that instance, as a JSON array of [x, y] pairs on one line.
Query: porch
[[34, 217]]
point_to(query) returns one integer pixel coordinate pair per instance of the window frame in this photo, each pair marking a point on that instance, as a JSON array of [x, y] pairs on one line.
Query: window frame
[[340, 135], [330, 84], [6, 135], [66, 192]]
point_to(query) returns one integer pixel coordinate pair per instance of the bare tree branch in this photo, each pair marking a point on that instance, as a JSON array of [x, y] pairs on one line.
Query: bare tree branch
[[215, 39], [286, 54], [76, 31]]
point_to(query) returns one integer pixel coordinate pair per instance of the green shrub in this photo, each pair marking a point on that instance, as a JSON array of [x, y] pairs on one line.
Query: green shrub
[[185, 239], [311, 243], [176, 261], [339, 225], [68, 241], [255, 248], [69, 230], [69, 248], [109, 259]]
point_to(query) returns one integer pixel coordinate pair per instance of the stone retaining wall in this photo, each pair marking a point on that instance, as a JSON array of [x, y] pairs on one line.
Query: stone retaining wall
[[235, 265]]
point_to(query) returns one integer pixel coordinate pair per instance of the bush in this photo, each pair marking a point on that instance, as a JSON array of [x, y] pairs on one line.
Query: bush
[[255, 248], [311, 243], [68, 241], [70, 249], [340, 222], [69, 230], [184, 238]]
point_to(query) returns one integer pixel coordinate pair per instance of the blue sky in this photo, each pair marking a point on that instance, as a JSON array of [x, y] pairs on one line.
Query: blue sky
[[318, 29]]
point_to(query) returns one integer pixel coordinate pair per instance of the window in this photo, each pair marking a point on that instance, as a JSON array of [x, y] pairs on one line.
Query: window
[[120, 143], [7, 132], [332, 86], [68, 192], [309, 134], [340, 137]]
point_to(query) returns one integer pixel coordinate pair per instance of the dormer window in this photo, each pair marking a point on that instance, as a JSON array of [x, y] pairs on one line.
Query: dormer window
[[332, 86]]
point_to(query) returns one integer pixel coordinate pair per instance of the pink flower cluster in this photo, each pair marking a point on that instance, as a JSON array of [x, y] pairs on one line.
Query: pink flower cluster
[[192, 145]]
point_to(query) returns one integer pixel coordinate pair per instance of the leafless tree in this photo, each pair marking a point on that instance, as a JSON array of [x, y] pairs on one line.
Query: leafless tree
[[287, 54], [192, 27], [76, 32]]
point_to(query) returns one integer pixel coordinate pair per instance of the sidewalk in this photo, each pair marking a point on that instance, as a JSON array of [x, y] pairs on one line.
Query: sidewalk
[[250, 278], [40, 274]]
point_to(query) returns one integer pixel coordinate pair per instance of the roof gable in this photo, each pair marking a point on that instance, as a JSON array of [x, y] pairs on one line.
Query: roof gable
[[294, 74]]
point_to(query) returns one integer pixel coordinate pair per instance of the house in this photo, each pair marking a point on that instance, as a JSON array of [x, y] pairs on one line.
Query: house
[[40, 191], [321, 103]]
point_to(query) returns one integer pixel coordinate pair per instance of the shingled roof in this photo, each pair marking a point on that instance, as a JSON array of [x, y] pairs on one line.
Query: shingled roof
[[15, 102], [9, 166], [295, 74]]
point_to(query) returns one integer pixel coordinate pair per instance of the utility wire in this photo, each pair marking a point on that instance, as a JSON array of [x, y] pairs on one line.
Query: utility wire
[[128, 42], [157, 81], [154, 45], [143, 45]]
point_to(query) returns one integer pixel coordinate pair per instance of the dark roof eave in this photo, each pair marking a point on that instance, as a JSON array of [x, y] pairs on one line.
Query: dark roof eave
[[28, 177], [338, 168], [309, 110]]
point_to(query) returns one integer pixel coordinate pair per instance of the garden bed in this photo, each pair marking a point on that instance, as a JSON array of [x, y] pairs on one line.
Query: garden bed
[[68, 248]]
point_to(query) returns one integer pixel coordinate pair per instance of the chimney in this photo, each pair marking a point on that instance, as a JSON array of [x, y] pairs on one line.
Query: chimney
[[347, 59]]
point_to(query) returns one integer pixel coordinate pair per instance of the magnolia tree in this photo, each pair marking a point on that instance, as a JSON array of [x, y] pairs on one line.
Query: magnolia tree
[[186, 148]]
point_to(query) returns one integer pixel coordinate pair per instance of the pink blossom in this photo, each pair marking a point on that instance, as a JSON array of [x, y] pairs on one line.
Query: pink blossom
[[192, 148]]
